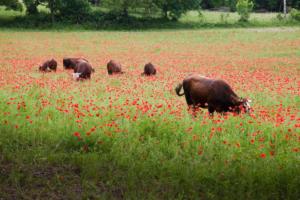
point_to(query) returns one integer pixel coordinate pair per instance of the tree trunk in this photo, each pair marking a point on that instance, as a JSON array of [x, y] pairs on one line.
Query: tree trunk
[[52, 11], [125, 9], [165, 11], [284, 8], [52, 18]]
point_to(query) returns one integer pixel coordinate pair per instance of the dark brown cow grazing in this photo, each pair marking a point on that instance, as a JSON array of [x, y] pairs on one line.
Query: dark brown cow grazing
[[114, 67], [70, 63], [49, 65], [83, 70], [216, 95], [149, 70]]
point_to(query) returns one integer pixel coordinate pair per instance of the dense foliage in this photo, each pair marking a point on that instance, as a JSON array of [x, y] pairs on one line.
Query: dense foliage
[[295, 14], [259, 5], [244, 7], [169, 8], [131, 11], [11, 4], [175, 7], [31, 6], [75, 10]]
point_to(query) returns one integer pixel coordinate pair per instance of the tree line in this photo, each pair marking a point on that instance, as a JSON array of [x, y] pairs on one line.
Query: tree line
[[169, 9], [259, 5]]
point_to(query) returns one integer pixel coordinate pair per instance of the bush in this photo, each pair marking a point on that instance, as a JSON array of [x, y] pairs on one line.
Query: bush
[[279, 17], [232, 5], [31, 6], [295, 14], [244, 8], [39, 20], [76, 11], [173, 9], [12, 4], [224, 18]]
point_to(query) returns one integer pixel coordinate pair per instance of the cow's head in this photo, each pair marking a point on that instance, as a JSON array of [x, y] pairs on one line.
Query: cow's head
[[246, 105], [76, 76], [66, 62]]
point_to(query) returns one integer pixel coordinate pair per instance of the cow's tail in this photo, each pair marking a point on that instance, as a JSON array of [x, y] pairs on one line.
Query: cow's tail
[[178, 88]]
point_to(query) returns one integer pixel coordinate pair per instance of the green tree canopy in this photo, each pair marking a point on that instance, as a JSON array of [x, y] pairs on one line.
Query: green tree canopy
[[170, 8], [121, 7], [11, 4], [175, 8]]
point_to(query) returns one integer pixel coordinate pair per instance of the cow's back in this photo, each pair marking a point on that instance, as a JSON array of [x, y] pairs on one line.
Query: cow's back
[[149, 69], [70, 63], [84, 68], [222, 93], [198, 88], [113, 67]]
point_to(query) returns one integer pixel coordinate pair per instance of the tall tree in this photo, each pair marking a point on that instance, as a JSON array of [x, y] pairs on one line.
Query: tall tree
[[54, 7], [284, 7]]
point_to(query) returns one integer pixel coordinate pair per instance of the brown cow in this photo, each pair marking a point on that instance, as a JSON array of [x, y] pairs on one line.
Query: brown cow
[[70, 63], [114, 67], [49, 65], [149, 70], [82, 70], [216, 95]]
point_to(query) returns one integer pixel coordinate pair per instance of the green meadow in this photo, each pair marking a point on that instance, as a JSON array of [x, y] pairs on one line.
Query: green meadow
[[131, 137]]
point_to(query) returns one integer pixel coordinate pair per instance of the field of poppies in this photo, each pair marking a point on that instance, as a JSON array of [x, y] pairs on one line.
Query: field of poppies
[[128, 136]]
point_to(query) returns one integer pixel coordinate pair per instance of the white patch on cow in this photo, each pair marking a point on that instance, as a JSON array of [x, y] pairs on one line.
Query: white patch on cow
[[76, 76], [247, 105]]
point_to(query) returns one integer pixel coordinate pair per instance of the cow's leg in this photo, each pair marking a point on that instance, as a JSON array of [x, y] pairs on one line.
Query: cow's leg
[[211, 110], [188, 99], [195, 110], [192, 106]]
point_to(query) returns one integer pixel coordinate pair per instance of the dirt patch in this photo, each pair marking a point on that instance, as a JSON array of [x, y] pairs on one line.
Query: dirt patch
[[21, 181]]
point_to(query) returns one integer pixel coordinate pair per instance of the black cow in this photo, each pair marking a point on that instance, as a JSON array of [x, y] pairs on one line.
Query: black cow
[[216, 95], [114, 67], [149, 70], [49, 65], [70, 63], [82, 70]]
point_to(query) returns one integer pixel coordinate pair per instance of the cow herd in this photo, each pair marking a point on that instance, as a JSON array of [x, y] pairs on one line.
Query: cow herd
[[83, 69], [199, 91]]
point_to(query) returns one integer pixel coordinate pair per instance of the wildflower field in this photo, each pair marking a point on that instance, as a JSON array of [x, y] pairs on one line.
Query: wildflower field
[[131, 137]]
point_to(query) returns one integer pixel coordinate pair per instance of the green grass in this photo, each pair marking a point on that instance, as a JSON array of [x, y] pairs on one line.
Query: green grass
[[164, 153], [233, 17]]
